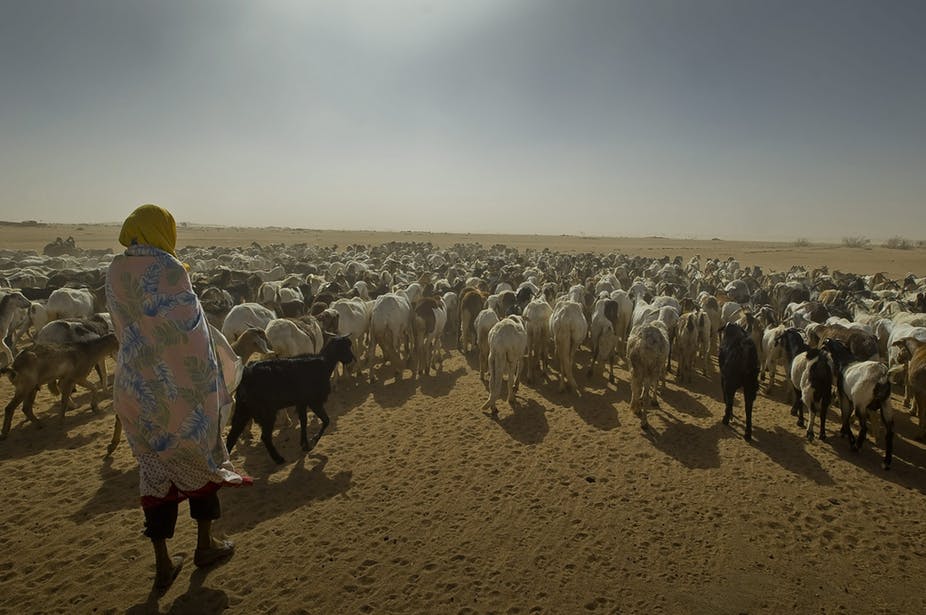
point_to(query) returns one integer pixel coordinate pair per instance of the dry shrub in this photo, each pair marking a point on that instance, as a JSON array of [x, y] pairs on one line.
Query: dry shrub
[[898, 243], [856, 242]]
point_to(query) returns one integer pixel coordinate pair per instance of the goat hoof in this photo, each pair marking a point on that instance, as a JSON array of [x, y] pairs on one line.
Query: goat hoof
[[726, 420], [800, 422], [747, 436], [110, 449], [279, 460], [885, 466], [810, 436], [822, 437]]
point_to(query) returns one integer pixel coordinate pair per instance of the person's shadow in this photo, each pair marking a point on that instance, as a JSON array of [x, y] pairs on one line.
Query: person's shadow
[[196, 599]]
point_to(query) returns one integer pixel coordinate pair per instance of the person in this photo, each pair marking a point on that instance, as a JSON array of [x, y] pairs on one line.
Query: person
[[169, 389]]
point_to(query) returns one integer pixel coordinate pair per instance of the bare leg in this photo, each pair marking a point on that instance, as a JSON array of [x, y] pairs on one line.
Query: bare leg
[[166, 568]]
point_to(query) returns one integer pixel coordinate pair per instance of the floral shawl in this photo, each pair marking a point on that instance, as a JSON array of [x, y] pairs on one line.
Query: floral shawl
[[169, 389]]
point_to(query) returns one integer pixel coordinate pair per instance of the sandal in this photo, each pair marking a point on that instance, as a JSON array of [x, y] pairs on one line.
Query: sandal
[[207, 557], [163, 584]]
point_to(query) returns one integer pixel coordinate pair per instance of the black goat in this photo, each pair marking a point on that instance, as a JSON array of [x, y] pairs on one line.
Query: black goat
[[739, 369], [302, 381], [811, 379]]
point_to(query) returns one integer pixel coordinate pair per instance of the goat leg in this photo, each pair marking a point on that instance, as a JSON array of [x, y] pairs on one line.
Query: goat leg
[[862, 432], [747, 434], [117, 435], [8, 414], [323, 416], [888, 442], [266, 436], [27, 407]]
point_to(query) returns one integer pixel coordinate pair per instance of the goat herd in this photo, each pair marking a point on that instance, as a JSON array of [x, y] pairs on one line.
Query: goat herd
[[310, 308]]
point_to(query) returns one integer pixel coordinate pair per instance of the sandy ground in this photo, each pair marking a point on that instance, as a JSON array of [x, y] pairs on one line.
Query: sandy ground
[[416, 501]]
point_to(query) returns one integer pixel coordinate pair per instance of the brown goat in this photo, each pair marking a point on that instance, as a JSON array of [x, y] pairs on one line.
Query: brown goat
[[912, 356], [69, 364], [862, 345], [471, 303]]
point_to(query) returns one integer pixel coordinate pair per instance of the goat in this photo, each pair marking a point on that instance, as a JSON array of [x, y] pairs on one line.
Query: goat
[[863, 346], [739, 369], [390, 324], [863, 386], [70, 364], [472, 301], [9, 304], [812, 379], [603, 338], [485, 320], [428, 321], [912, 355], [243, 316], [536, 317], [686, 345], [303, 381], [647, 355], [569, 328], [507, 341], [773, 353]]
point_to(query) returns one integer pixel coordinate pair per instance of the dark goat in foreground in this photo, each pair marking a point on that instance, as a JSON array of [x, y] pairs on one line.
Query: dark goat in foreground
[[303, 381], [739, 369]]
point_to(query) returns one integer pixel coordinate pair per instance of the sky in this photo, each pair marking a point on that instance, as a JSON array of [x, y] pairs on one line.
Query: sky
[[746, 119]]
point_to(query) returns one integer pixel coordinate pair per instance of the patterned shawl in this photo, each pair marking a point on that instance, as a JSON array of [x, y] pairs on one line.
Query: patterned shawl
[[169, 389]]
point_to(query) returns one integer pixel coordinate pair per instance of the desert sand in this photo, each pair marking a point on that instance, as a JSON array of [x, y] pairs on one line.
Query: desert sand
[[416, 501]]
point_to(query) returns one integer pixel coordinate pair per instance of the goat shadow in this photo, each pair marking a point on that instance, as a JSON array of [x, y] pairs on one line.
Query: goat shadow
[[908, 466], [396, 393], [440, 384], [694, 447], [248, 507], [26, 439], [527, 422], [789, 450], [682, 401], [597, 409]]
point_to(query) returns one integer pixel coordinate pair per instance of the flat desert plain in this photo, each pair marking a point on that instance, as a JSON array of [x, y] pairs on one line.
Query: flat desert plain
[[417, 501]]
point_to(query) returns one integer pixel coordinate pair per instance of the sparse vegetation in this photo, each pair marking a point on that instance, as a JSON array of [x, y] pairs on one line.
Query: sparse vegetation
[[856, 242], [898, 243], [801, 242]]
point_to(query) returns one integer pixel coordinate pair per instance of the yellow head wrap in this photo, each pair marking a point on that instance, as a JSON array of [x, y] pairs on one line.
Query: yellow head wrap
[[150, 225]]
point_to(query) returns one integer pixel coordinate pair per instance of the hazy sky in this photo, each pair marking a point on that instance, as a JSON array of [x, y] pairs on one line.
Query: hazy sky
[[770, 119]]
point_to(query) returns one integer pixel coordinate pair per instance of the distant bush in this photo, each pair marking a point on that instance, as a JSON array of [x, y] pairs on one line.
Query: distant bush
[[921, 243], [801, 242], [898, 243], [856, 242]]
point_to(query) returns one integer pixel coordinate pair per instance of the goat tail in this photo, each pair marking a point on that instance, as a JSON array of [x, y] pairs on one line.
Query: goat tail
[[882, 390]]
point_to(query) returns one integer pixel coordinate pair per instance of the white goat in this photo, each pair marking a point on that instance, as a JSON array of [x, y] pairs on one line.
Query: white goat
[[507, 342], [390, 322], [536, 318], [244, 316], [568, 328], [485, 320]]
